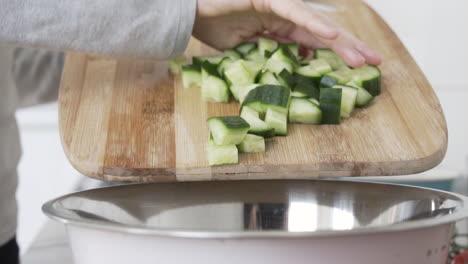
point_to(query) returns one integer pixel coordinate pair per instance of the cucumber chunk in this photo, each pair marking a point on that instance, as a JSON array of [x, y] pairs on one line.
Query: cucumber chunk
[[222, 154], [213, 87], [198, 60], [245, 48], [223, 64], [252, 143], [233, 54], [330, 104], [228, 130], [267, 77], [191, 76], [304, 111], [253, 67], [348, 99], [368, 77], [277, 120], [175, 64], [242, 91], [286, 79], [297, 94], [335, 61], [306, 85], [363, 96], [265, 44], [294, 48], [237, 74], [318, 66], [281, 59], [255, 55], [257, 126], [336, 78], [268, 96]]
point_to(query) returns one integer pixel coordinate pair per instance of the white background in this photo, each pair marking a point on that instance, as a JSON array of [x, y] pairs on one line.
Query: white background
[[435, 32]]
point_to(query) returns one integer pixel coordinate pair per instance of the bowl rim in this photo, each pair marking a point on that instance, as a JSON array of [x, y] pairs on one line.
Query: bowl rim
[[459, 214]]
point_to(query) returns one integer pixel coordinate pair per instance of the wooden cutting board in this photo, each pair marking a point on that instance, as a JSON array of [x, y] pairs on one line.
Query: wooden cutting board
[[123, 120]]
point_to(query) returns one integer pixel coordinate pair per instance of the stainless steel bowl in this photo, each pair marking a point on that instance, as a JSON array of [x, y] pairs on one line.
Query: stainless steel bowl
[[260, 222]]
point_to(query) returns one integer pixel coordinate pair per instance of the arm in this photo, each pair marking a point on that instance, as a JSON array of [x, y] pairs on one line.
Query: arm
[[156, 29]]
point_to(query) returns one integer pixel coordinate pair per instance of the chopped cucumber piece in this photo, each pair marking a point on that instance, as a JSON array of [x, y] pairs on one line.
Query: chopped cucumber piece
[[255, 55], [245, 48], [294, 48], [335, 61], [233, 54], [252, 143], [363, 96], [257, 126], [268, 96], [223, 64], [314, 101], [297, 94], [336, 78], [309, 72], [228, 130], [277, 120], [304, 111], [198, 60], [175, 65], [286, 79], [265, 44], [237, 74], [191, 76], [222, 154], [242, 91], [281, 59], [306, 85], [213, 87], [253, 67], [348, 99], [368, 77], [267, 77], [319, 66], [330, 104]]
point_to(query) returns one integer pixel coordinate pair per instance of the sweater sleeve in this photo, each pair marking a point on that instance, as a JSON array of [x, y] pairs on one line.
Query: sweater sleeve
[[152, 29]]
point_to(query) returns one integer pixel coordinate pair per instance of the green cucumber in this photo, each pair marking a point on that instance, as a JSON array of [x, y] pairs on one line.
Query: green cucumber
[[213, 87], [306, 85], [267, 77], [242, 91], [265, 44], [294, 48], [281, 59], [286, 79], [237, 74], [222, 154], [309, 72], [255, 55], [277, 120], [314, 101], [348, 99], [257, 126], [335, 61], [191, 76], [198, 60], [233, 54], [245, 48], [253, 67], [223, 64], [297, 94], [268, 96], [330, 104], [228, 130], [368, 77], [304, 111], [252, 143], [363, 96], [175, 64], [336, 78], [319, 66]]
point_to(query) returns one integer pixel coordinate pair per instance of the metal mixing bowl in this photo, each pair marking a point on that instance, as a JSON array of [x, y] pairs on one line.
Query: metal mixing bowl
[[260, 222]]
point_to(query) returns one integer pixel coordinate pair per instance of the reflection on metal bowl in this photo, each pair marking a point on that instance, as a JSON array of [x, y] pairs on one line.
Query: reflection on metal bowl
[[260, 222]]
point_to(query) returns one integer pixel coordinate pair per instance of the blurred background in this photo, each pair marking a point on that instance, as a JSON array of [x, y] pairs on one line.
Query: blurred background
[[433, 31]]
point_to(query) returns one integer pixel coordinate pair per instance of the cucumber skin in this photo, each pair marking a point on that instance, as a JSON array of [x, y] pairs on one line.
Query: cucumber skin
[[268, 95], [307, 86], [330, 104], [286, 79], [231, 122], [373, 86], [328, 82], [227, 130]]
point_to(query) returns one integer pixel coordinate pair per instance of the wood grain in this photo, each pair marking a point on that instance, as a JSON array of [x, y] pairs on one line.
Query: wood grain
[[123, 120]]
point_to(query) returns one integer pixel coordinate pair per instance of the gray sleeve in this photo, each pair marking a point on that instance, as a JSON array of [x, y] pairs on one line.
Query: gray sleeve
[[155, 29]]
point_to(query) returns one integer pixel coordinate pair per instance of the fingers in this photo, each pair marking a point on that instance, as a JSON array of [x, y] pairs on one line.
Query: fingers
[[300, 14]]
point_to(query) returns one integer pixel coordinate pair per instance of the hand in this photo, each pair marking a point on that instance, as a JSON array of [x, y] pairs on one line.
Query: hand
[[225, 23]]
